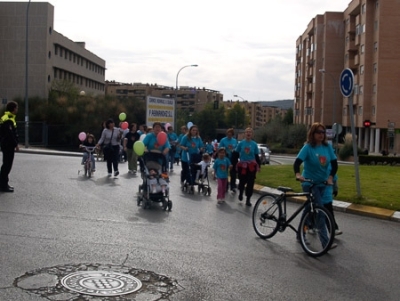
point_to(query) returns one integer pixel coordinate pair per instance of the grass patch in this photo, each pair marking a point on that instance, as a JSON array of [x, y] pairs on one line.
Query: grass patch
[[378, 184]]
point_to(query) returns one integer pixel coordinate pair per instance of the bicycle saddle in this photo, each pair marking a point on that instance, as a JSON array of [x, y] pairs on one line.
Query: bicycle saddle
[[284, 189]]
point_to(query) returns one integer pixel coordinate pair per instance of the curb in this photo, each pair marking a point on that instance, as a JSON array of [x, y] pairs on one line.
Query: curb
[[369, 211]]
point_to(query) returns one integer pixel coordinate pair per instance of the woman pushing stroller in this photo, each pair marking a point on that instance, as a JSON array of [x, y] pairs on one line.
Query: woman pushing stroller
[[192, 147]]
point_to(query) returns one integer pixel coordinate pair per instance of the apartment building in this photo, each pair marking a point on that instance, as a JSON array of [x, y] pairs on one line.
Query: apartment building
[[190, 99], [365, 38], [51, 56]]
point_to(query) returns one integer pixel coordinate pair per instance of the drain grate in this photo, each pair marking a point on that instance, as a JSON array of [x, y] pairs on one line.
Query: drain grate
[[95, 281], [101, 283]]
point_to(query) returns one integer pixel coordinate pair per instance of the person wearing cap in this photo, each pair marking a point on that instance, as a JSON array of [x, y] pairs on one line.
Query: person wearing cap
[[110, 138]]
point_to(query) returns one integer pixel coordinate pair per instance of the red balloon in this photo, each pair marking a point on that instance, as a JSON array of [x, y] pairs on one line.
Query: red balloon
[[161, 138], [124, 125]]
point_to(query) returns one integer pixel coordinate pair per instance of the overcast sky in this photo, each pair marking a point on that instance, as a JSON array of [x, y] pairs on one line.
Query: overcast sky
[[242, 47]]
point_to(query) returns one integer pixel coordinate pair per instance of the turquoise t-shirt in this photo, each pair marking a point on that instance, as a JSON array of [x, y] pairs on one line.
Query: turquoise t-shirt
[[316, 161], [150, 141], [247, 150], [172, 137], [221, 168], [193, 146], [229, 144]]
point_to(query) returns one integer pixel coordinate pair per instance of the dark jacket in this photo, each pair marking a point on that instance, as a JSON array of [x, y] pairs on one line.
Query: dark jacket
[[8, 131]]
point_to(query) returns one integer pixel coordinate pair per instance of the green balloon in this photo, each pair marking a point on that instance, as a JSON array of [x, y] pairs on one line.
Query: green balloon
[[122, 116], [138, 148]]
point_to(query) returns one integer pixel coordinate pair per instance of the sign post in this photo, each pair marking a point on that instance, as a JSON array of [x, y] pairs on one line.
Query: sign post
[[346, 87]]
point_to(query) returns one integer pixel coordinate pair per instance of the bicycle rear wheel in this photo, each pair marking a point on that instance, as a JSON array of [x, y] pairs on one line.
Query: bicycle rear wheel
[[316, 230], [89, 167], [266, 213]]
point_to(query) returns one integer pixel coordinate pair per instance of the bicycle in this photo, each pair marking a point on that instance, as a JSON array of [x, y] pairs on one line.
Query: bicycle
[[316, 230], [88, 164]]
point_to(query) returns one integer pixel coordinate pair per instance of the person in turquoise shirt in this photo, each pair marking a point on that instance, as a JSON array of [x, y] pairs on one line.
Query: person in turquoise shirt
[[230, 143], [192, 147], [248, 165], [151, 143], [173, 141], [221, 167]]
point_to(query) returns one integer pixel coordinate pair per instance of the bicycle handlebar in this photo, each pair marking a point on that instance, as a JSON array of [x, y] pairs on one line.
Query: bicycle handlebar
[[89, 149]]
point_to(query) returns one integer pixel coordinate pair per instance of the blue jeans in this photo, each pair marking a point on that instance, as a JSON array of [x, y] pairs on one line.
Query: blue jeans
[[85, 156]]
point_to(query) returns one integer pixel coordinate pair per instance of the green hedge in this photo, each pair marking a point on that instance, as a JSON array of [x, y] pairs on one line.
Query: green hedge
[[374, 160]]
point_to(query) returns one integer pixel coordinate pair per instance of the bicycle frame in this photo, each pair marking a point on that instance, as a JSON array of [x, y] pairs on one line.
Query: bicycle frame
[[283, 220]]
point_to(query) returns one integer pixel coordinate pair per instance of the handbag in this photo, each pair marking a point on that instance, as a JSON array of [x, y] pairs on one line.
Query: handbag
[[108, 148]]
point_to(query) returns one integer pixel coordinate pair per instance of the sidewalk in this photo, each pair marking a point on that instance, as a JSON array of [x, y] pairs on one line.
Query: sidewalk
[[337, 205]]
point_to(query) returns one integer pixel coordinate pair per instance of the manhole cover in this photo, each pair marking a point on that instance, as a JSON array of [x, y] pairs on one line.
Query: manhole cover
[[101, 283]]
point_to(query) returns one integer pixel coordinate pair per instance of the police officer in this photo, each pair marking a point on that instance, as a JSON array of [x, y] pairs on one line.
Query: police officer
[[9, 143]]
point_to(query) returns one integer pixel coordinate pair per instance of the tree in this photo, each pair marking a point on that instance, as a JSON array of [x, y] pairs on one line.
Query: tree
[[288, 118]]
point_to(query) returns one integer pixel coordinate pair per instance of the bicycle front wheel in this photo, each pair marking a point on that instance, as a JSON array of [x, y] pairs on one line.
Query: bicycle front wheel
[[266, 213], [89, 169], [316, 230]]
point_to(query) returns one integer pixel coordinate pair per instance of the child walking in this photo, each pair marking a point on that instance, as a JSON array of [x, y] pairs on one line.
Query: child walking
[[221, 167]]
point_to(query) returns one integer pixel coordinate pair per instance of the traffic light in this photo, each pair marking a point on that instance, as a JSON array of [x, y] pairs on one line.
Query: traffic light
[[367, 123]]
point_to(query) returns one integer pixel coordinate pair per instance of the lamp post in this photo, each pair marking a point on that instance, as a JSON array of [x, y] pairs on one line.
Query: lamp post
[[239, 97], [26, 80], [323, 71], [176, 92]]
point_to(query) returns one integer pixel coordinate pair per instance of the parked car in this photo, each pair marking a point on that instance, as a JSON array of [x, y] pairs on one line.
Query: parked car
[[264, 154]]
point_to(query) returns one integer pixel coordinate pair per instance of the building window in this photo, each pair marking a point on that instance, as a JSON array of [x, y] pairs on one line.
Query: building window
[[373, 110], [61, 52], [362, 48], [360, 110], [56, 50], [50, 30], [344, 111], [363, 9], [375, 68], [362, 69], [374, 88], [48, 78], [49, 54], [376, 46], [358, 29], [55, 73], [361, 90], [376, 25]]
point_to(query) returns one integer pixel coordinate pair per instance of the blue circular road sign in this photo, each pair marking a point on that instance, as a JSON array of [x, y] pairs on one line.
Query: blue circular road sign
[[347, 82]]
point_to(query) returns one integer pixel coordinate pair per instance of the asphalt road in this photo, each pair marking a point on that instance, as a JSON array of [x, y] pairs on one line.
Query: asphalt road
[[56, 218]]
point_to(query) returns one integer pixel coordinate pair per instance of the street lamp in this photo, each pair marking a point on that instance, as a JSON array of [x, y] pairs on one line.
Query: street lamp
[[323, 71], [26, 80], [176, 92], [239, 97]]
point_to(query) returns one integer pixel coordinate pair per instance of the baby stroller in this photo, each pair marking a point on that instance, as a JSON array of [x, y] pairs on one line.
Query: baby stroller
[[193, 160], [154, 188], [202, 181]]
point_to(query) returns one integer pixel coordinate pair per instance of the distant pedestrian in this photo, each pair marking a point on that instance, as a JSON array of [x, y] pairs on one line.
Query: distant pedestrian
[[221, 167], [129, 140], [230, 143], [9, 143]]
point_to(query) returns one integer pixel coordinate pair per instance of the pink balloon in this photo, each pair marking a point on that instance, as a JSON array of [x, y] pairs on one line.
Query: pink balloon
[[124, 125], [82, 136], [167, 126], [161, 138]]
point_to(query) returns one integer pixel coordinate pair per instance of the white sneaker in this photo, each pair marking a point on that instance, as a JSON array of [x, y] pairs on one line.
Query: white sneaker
[[338, 232], [109, 174]]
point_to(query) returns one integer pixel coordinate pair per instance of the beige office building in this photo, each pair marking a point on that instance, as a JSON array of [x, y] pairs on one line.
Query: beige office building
[[365, 38], [190, 99], [51, 56]]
